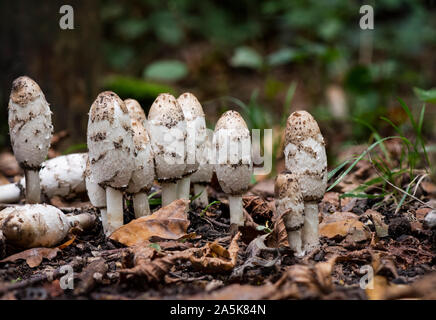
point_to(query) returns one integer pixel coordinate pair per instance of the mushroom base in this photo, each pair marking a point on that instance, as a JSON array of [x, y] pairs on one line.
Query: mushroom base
[[140, 205], [295, 242], [169, 192], [310, 235], [236, 210], [114, 200]]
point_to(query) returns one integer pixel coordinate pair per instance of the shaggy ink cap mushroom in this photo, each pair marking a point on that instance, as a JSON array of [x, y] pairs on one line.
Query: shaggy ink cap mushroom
[[195, 138], [290, 207], [143, 173], [30, 129], [111, 152], [233, 160], [39, 225], [167, 130], [305, 156]]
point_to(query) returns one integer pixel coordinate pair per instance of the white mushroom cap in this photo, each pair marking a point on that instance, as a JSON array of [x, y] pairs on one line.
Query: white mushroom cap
[[110, 142], [166, 127], [30, 124], [289, 200], [143, 174], [195, 129], [305, 154], [233, 160], [37, 225], [205, 170]]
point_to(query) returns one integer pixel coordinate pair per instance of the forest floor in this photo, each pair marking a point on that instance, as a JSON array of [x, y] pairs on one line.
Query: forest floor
[[175, 254]]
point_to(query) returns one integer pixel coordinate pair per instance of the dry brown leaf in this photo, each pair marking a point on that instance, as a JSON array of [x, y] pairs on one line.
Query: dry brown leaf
[[237, 292], [170, 222], [33, 256], [67, 243], [381, 228], [304, 282], [258, 209], [423, 288], [213, 258], [342, 224]]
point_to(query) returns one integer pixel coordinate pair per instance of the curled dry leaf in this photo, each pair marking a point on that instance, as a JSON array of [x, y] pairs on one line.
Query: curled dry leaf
[[170, 222], [213, 258], [33, 256], [258, 208], [279, 236], [304, 282]]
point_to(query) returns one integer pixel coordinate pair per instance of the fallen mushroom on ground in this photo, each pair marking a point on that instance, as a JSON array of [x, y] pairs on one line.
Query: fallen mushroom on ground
[[290, 207], [306, 158], [195, 139], [30, 129], [111, 153], [61, 176], [202, 177], [39, 225], [233, 161], [143, 173], [166, 127]]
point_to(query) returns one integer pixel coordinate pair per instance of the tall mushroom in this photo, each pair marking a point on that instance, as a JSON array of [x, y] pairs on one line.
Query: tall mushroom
[[233, 161], [143, 174], [305, 157], [61, 176], [166, 127], [204, 174], [30, 129], [195, 139], [111, 153], [290, 207]]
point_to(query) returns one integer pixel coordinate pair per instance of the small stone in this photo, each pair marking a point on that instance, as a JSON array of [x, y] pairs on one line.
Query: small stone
[[399, 226]]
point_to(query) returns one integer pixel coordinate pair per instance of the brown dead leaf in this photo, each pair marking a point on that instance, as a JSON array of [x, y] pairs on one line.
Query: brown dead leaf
[[344, 224], [170, 222], [213, 258], [381, 228], [237, 292], [258, 208], [279, 236], [428, 187], [67, 243], [423, 288], [421, 213], [33, 256], [305, 282]]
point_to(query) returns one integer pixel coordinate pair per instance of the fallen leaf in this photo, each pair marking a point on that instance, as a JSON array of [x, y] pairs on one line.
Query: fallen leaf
[[88, 277], [381, 228], [170, 222], [33, 256], [344, 224], [213, 258], [421, 213], [9, 165], [423, 288], [258, 208], [236, 292], [428, 187], [67, 243]]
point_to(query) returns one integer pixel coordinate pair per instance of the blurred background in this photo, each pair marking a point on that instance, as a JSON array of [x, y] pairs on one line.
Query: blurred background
[[264, 58]]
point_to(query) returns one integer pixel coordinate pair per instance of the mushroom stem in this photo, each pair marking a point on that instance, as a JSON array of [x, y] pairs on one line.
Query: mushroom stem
[[114, 200], [140, 205], [202, 200], [236, 210], [9, 193], [183, 188], [33, 186], [295, 243], [169, 192], [83, 220], [310, 229], [103, 218]]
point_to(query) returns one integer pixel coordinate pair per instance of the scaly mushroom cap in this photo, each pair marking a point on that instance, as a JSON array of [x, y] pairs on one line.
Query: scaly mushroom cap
[[233, 153], [143, 174], [30, 124], [305, 154], [289, 200], [96, 194], [110, 142], [18, 225], [205, 170], [195, 129], [166, 127]]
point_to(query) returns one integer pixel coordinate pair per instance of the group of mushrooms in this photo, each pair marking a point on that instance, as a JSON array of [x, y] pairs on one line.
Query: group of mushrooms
[[128, 151]]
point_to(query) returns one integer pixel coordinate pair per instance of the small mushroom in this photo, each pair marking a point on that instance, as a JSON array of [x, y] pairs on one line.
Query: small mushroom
[[290, 207], [143, 174], [39, 225], [202, 177], [166, 127], [30, 129], [61, 176], [233, 161], [305, 157], [195, 139], [111, 153]]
